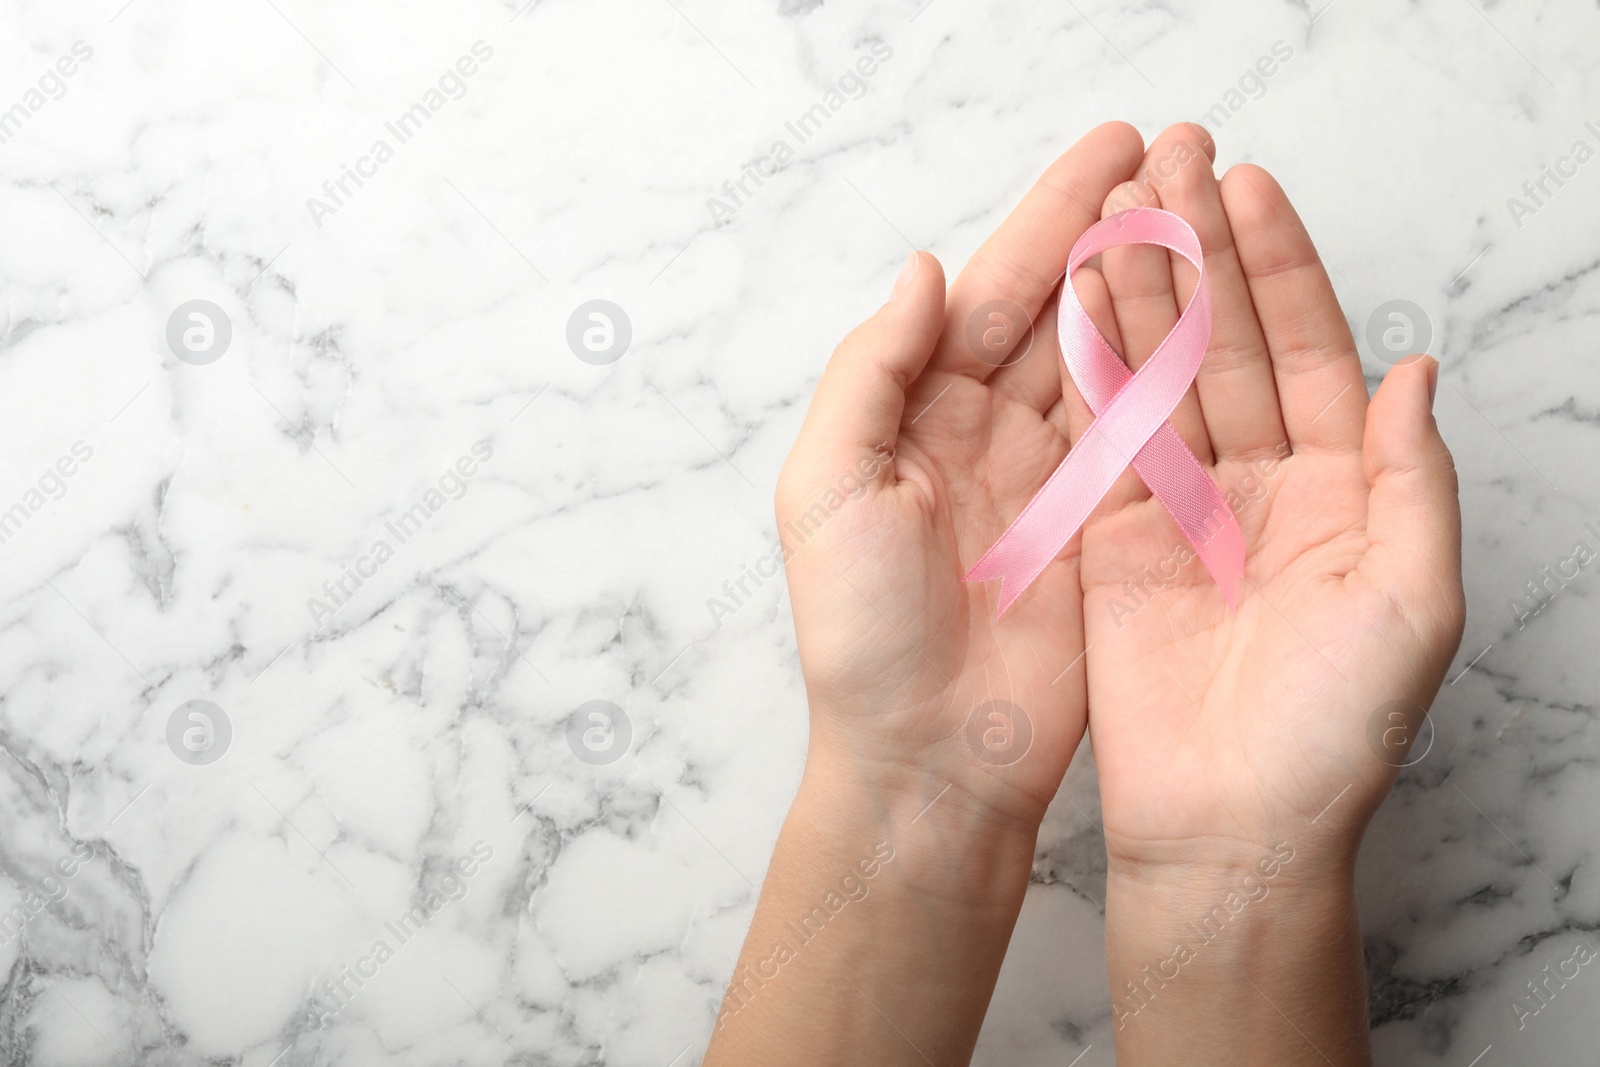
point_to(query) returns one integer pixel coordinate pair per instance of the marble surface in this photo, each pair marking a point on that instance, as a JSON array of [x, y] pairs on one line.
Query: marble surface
[[387, 753]]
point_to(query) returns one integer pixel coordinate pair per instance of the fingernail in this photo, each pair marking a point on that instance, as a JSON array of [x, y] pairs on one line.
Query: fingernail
[[902, 281], [1433, 379]]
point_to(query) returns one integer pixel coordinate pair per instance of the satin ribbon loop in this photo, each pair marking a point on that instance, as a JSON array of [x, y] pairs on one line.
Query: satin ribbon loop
[[1130, 427]]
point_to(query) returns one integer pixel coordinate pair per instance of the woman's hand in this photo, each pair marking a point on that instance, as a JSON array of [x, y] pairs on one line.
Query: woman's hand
[[929, 431], [1217, 733], [900, 870], [1241, 754]]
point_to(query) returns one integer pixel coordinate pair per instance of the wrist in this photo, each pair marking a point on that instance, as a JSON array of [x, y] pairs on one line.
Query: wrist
[[1224, 896], [949, 845], [1260, 956], [919, 755], [1226, 909], [1305, 858], [880, 903]]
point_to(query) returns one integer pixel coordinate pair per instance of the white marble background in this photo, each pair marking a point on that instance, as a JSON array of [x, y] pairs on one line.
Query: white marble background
[[427, 716]]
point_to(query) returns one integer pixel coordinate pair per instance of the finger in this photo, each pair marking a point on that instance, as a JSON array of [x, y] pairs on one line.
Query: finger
[[1029, 369], [1095, 300], [1035, 381], [1094, 295], [1139, 280], [1321, 391], [1413, 511], [1024, 259], [855, 413], [1238, 397], [1146, 305], [1171, 149]]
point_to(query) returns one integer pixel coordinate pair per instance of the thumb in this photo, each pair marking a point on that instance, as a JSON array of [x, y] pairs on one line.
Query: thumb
[[1413, 510], [855, 413]]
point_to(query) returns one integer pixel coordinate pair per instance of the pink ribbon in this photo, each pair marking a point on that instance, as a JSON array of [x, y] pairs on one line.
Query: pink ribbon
[[1130, 426]]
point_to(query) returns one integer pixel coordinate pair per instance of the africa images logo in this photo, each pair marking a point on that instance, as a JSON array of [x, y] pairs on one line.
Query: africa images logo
[[851, 85], [452, 485], [51, 85], [451, 85]]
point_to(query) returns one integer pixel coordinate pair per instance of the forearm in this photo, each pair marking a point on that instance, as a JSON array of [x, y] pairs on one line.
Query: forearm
[[1254, 962], [880, 930]]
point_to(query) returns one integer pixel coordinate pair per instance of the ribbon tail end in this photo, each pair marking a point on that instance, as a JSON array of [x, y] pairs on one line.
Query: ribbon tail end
[[1009, 589], [1232, 573], [1224, 557], [1008, 597]]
